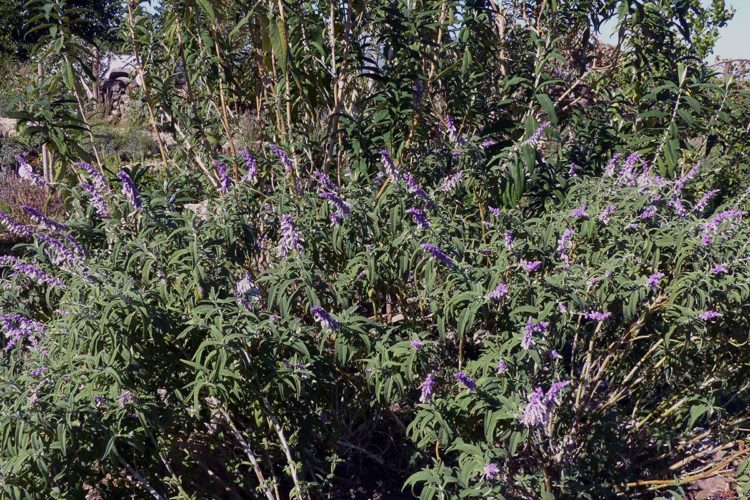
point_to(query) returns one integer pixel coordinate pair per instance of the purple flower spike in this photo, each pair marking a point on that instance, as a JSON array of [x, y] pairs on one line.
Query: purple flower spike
[[14, 227], [225, 182], [530, 329], [247, 292], [342, 210], [26, 172], [290, 240], [252, 167], [709, 315], [438, 254], [502, 367], [500, 292], [531, 266], [719, 269], [579, 212], [466, 381], [413, 187], [537, 135], [388, 165], [18, 328], [427, 386], [325, 319], [701, 204], [606, 214], [554, 391], [57, 252], [419, 219], [450, 182], [30, 271], [100, 206], [536, 411], [42, 221], [654, 280], [417, 344], [596, 315], [284, 157], [129, 191], [97, 179], [491, 472]]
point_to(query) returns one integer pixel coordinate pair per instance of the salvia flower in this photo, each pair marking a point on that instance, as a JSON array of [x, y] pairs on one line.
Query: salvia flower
[[419, 219], [30, 271], [563, 245], [572, 170], [450, 182], [648, 213], [502, 367], [388, 165], [561, 307], [530, 329], [42, 221], [610, 168], [491, 472], [225, 181], [508, 237], [129, 190], [413, 186], [324, 182], [495, 211], [679, 207], [14, 227], [711, 228], [100, 205], [554, 391], [702, 203], [654, 280], [682, 181], [342, 210], [536, 411], [428, 386], [579, 212], [596, 315], [531, 266], [284, 157], [606, 214], [97, 179], [247, 292], [290, 240], [26, 172], [252, 167], [57, 252], [466, 381], [324, 318], [540, 406], [125, 398], [487, 143], [719, 269], [438, 254], [417, 344], [18, 328], [500, 291], [555, 355], [709, 315], [534, 139]]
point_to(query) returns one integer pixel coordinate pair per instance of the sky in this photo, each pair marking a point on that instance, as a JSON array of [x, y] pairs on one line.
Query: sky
[[734, 42]]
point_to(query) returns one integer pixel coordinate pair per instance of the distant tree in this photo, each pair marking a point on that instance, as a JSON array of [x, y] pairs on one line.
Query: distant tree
[[100, 18]]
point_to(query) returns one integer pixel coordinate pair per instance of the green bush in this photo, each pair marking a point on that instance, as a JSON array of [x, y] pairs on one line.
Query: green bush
[[182, 339]]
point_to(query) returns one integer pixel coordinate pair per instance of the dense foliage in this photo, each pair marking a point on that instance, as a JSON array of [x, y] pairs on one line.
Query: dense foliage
[[439, 248]]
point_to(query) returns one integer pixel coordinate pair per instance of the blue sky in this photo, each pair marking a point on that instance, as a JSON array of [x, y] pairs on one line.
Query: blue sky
[[735, 38]]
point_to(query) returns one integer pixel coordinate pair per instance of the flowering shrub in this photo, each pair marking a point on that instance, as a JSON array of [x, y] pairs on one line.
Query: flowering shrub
[[284, 333]]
